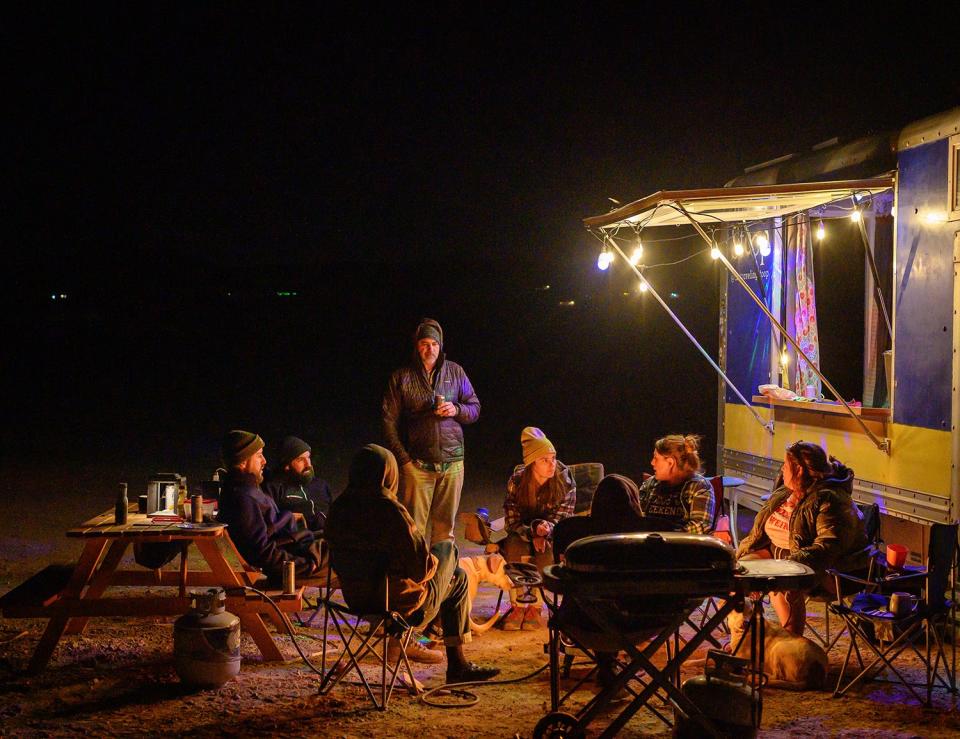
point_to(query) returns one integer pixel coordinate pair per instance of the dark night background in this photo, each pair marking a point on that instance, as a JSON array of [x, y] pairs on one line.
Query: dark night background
[[174, 169]]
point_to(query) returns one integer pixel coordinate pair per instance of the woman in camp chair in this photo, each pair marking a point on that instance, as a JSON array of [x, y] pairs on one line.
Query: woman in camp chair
[[810, 518], [540, 492]]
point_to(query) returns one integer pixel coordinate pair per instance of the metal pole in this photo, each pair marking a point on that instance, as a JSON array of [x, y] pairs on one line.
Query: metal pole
[[768, 425], [876, 277], [881, 444]]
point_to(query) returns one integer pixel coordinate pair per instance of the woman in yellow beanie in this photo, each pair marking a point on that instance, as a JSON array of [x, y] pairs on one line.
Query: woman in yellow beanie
[[540, 492]]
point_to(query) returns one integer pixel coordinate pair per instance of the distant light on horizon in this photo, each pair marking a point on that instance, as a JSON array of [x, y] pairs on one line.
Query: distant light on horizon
[[567, 303]]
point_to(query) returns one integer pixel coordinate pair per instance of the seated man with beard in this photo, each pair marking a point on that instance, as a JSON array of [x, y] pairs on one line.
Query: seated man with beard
[[294, 488], [265, 536]]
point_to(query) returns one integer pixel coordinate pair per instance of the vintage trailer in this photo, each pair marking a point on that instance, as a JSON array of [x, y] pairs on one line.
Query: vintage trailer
[[900, 192]]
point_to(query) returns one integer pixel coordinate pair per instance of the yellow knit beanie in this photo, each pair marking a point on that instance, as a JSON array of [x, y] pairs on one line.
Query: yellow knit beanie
[[535, 444]]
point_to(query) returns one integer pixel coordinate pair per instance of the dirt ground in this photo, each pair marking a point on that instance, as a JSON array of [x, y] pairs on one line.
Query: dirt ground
[[118, 679]]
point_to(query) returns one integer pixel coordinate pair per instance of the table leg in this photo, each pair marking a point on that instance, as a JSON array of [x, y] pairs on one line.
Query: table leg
[[100, 582], [252, 623], [89, 558]]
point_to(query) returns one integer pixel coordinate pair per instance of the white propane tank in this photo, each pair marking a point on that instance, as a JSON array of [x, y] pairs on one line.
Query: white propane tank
[[206, 641]]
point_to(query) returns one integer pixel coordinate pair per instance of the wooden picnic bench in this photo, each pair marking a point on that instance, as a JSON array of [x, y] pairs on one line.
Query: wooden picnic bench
[[69, 595]]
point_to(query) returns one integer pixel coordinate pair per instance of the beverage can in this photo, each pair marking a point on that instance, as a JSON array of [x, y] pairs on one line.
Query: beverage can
[[196, 509], [289, 578]]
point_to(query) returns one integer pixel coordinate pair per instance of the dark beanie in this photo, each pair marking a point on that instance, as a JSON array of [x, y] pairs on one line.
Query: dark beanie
[[290, 449], [238, 445], [428, 329]]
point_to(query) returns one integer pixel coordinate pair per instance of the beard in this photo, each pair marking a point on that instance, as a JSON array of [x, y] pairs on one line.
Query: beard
[[304, 477], [259, 476]]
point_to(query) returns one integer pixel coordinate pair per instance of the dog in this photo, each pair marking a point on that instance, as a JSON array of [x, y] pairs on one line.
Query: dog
[[485, 568], [789, 661]]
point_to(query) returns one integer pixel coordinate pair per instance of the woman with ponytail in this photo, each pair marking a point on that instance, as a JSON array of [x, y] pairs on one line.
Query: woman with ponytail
[[677, 491]]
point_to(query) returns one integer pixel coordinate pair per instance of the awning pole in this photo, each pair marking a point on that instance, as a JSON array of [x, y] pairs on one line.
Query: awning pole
[[768, 425], [881, 444], [876, 277]]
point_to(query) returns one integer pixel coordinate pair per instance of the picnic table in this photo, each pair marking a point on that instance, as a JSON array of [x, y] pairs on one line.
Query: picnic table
[[69, 596]]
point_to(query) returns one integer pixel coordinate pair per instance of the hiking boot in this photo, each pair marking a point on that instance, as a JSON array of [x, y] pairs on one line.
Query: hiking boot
[[532, 618], [416, 652], [513, 621], [470, 673]]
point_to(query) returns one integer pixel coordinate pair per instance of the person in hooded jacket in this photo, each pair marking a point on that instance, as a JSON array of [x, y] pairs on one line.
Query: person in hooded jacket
[[369, 528], [294, 486], [425, 406], [810, 518]]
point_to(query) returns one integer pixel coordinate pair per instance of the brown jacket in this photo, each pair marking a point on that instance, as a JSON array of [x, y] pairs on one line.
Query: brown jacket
[[826, 528], [370, 533]]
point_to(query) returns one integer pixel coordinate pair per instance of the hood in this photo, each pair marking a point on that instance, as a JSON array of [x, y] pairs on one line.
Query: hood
[[840, 479], [427, 323], [373, 471], [616, 500]]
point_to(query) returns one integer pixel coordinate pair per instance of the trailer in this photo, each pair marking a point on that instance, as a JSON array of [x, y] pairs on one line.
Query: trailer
[[890, 206]]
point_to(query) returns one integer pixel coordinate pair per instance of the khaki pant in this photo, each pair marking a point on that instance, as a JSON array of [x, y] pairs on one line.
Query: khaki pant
[[432, 498]]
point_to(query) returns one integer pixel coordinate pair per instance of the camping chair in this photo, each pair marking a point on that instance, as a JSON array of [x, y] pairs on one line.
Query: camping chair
[[873, 627], [848, 588], [383, 624]]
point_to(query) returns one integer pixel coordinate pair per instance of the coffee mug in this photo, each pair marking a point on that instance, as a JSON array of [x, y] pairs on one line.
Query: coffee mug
[[901, 604]]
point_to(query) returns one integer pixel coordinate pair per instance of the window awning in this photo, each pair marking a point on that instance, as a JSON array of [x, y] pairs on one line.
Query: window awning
[[734, 204]]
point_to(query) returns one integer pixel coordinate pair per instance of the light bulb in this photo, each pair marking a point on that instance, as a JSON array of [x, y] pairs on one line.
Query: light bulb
[[855, 216], [738, 249], [643, 286], [784, 358], [821, 232], [714, 253], [637, 254], [604, 260], [763, 244]]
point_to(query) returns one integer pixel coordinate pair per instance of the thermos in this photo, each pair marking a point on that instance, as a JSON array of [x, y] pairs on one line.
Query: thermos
[[196, 509], [120, 513]]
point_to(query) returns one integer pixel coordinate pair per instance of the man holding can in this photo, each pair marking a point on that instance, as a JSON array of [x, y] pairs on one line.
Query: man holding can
[[426, 404]]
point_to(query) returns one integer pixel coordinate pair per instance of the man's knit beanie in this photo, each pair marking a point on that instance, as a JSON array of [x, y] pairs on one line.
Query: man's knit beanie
[[535, 444], [428, 329], [290, 449], [238, 445]]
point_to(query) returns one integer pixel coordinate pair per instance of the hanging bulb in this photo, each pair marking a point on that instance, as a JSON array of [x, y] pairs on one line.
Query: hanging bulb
[[738, 248], [604, 260], [821, 232], [855, 216], [763, 244], [714, 253], [637, 254], [643, 286], [784, 358]]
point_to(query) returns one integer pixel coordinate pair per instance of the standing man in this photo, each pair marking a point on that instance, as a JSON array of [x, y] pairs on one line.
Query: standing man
[[425, 405]]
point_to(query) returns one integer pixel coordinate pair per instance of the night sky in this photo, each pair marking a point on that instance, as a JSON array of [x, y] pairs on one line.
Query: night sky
[[175, 168]]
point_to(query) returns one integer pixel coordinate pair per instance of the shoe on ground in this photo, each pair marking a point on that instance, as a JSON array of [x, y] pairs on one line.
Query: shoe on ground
[[471, 673], [416, 652], [532, 618], [513, 621]]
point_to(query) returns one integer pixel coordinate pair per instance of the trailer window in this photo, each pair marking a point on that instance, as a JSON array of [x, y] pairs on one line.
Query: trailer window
[[954, 177]]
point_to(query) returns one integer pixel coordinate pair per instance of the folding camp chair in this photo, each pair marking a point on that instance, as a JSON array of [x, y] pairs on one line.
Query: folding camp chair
[[358, 642], [848, 588], [886, 635]]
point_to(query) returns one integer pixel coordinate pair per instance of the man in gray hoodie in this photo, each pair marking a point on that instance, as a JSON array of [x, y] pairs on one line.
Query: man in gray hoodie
[[424, 408]]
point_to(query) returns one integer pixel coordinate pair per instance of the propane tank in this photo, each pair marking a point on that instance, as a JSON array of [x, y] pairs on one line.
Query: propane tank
[[206, 641], [724, 697]]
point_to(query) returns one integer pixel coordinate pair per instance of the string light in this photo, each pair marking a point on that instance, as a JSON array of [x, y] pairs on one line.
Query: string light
[[763, 244], [604, 260], [714, 253], [637, 254], [738, 248], [643, 286], [821, 232], [855, 216], [784, 358]]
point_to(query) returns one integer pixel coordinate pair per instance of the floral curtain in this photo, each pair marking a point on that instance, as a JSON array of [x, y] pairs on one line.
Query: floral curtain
[[801, 302]]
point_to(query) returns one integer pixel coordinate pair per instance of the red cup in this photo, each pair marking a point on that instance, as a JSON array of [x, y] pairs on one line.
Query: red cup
[[896, 555]]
